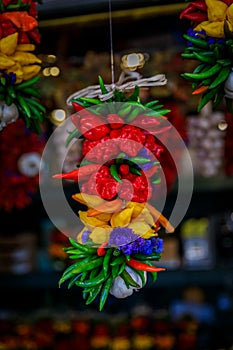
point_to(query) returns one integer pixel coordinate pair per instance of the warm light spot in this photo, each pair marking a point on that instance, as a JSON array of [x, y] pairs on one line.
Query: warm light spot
[[58, 116]]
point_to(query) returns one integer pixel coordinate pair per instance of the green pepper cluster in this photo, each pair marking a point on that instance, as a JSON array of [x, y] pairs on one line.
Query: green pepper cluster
[[210, 75], [26, 98], [95, 272]]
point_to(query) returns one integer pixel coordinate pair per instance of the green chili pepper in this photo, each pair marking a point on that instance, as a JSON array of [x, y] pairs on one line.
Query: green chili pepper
[[196, 41], [95, 272], [129, 281], [204, 58], [135, 95], [72, 135], [114, 173], [90, 100], [151, 103], [93, 294], [73, 269], [206, 97], [77, 256], [122, 268], [125, 110], [218, 98], [157, 181], [203, 75], [141, 275], [84, 265], [139, 160], [82, 247], [221, 77], [102, 86], [155, 256], [188, 55], [134, 113], [119, 260], [73, 280], [92, 282], [160, 112], [154, 275], [84, 275], [135, 171], [106, 261], [105, 292], [116, 270]]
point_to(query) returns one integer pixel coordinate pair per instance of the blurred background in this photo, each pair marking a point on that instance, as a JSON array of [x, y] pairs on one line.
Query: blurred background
[[191, 304]]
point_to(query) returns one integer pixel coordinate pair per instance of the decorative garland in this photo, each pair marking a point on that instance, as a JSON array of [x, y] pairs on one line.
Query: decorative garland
[[119, 243], [20, 155], [209, 40], [19, 66]]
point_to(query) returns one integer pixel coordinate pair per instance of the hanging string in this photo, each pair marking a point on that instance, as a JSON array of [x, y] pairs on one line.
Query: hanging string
[[111, 43], [122, 84]]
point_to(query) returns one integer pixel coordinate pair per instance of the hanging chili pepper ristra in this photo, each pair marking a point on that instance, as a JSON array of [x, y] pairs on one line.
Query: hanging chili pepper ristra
[[116, 251], [209, 41], [19, 65]]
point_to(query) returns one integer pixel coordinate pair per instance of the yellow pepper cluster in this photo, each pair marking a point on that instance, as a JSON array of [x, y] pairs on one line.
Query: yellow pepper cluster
[[18, 58], [219, 15], [133, 215]]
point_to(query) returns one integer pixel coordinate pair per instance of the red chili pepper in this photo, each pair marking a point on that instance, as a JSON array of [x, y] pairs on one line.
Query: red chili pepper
[[79, 174], [200, 5], [77, 106], [106, 187], [101, 251], [145, 121], [154, 147], [124, 169], [34, 35], [141, 266], [193, 7], [115, 121], [140, 191], [101, 150], [198, 17], [93, 128]]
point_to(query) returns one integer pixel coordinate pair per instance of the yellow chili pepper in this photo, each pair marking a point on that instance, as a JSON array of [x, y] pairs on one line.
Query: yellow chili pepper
[[100, 235], [122, 218], [90, 222]]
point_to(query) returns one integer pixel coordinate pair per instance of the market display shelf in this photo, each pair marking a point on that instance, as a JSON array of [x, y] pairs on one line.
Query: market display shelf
[[176, 278]]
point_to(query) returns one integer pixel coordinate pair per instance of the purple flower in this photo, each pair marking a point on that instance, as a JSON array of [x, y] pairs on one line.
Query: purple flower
[[157, 244], [85, 236], [121, 236]]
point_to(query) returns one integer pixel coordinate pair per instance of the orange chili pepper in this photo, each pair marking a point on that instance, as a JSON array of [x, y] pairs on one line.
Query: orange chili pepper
[[200, 90], [159, 216], [106, 207]]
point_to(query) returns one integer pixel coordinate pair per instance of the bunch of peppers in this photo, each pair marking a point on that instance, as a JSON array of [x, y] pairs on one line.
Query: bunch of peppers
[[118, 170], [209, 41], [19, 66], [19, 165]]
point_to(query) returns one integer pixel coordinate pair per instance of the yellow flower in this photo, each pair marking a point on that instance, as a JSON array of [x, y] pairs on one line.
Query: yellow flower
[[218, 12]]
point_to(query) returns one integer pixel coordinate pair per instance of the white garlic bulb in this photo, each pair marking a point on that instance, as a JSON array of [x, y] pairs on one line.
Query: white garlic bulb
[[8, 114], [119, 288]]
